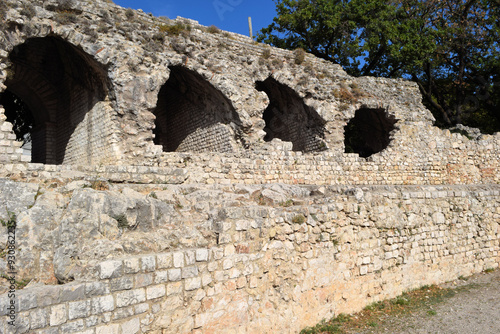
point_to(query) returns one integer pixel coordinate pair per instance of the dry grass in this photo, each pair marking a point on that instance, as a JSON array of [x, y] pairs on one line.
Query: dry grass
[[376, 314]]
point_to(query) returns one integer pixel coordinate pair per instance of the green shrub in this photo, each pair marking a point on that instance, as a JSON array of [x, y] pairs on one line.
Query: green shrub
[[11, 222], [174, 29], [299, 219], [300, 55], [266, 53], [66, 17], [102, 28], [129, 13], [122, 220], [213, 29]]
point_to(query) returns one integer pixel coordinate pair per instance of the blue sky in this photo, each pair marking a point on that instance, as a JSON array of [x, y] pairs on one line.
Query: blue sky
[[230, 15]]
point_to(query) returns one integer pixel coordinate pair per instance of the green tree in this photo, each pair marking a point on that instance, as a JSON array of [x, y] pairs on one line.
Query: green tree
[[448, 47]]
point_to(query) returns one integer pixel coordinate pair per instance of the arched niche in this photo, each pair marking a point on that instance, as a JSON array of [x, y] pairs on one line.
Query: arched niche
[[368, 132], [288, 118], [60, 88], [193, 116]]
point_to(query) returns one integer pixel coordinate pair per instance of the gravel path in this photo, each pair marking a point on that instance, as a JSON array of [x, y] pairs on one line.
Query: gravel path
[[475, 308]]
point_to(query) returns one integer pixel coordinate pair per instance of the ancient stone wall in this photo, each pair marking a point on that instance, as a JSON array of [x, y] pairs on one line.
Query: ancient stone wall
[[268, 259]]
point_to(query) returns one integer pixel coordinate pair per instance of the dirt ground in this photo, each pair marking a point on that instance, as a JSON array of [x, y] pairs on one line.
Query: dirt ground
[[475, 308]]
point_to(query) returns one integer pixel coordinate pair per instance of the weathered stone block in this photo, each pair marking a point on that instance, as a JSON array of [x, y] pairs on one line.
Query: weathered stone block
[[102, 304], [132, 326], [26, 300], [188, 272], [161, 276], [131, 265], [202, 255], [96, 289], [142, 280], [73, 326], [110, 269], [192, 283], [164, 261], [155, 291], [121, 283], [174, 275], [108, 329], [79, 309], [178, 259], [148, 263], [39, 318], [58, 314], [130, 297]]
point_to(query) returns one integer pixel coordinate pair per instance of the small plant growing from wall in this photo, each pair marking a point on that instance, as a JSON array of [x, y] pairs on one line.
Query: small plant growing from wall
[[213, 29], [122, 221], [266, 53], [299, 219], [299, 56], [11, 222], [129, 13], [66, 17], [174, 29]]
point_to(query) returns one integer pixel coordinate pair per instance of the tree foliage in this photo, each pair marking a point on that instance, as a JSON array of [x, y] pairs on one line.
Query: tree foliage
[[450, 48], [17, 113]]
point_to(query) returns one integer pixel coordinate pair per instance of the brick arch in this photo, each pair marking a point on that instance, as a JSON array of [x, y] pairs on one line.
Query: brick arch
[[288, 118], [193, 116], [64, 88]]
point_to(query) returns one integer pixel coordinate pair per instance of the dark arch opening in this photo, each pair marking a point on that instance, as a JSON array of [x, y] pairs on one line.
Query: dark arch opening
[[52, 96], [288, 118], [368, 132], [192, 115]]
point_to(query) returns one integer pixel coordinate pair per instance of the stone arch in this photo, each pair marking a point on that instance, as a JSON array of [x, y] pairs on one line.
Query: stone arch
[[193, 116], [64, 89], [369, 132], [288, 118]]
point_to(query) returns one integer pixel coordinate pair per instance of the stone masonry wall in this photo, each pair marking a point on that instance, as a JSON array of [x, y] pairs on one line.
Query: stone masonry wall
[[277, 268]]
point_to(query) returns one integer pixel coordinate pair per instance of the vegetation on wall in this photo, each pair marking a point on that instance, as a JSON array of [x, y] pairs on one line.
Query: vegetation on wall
[[449, 48]]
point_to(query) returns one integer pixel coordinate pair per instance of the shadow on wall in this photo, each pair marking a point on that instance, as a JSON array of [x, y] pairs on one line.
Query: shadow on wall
[[192, 115], [288, 118], [368, 132], [51, 88]]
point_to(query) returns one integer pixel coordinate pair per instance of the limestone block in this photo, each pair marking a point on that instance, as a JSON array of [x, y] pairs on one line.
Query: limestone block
[[178, 259], [130, 297], [131, 265], [58, 315], [164, 261], [148, 263], [132, 326], [121, 283], [192, 283], [110, 269], [73, 326], [39, 318], [202, 255], [108, 329], [102, 304], [156, 291], [174, 275], [78, 309]]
